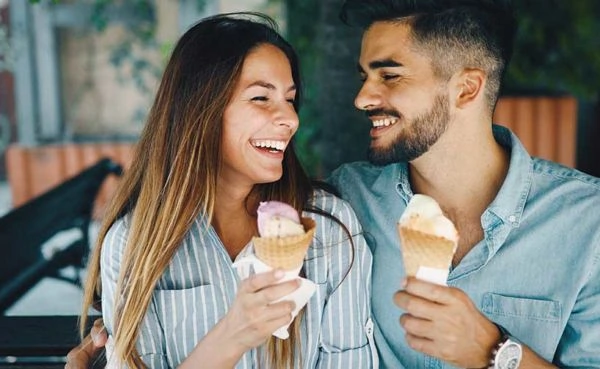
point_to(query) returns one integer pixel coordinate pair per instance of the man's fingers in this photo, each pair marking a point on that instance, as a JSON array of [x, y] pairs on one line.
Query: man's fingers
[[429, 291], [80, 356], [421, 344], [98, 333], [416, 306], [417, 327]]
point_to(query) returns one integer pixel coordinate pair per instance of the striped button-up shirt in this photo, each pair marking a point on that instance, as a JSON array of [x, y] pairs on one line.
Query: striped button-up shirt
[[200, 284]]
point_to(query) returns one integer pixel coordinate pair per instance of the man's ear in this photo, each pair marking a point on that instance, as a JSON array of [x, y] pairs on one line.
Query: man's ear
[[471, 83]]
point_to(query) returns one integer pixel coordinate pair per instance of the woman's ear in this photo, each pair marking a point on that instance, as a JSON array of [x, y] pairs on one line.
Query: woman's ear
[[471, 83]]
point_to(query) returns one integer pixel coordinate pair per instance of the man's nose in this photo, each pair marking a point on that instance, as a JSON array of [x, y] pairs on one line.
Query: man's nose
[[368, 97]]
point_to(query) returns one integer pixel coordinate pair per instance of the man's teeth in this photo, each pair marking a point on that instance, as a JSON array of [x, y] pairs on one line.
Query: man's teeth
[[270, 144], [384, 122]]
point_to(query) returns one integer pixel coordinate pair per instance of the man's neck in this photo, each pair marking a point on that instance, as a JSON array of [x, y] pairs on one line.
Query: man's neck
[[461, 170], [464, 174]]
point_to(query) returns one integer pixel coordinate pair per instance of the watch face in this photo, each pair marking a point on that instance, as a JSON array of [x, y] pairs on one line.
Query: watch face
[[509, 356]]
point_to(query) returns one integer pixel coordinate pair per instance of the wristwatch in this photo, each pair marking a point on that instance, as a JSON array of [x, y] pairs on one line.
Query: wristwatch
[[506, 355]]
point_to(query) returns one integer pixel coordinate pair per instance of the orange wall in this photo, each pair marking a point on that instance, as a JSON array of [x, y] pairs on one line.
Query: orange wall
[[34, 170]]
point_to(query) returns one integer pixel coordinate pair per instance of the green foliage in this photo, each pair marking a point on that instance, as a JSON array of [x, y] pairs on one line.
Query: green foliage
[[557, 48], [6, 53], [140, 35], [301, 33]]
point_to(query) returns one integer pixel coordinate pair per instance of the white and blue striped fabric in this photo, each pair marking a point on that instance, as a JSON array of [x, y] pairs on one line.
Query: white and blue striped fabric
[[200, 284]]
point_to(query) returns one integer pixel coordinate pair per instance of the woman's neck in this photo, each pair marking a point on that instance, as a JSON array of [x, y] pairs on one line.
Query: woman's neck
[[234, 218]]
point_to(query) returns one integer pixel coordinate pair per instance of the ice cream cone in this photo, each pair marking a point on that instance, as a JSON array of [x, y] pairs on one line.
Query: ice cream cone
[[424, 249], [285, 252]]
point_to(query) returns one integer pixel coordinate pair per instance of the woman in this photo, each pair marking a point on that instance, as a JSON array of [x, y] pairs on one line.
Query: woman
[[217, 142]]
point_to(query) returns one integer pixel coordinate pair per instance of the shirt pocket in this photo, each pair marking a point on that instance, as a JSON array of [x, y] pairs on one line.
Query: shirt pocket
[[534, 322], [341, 328], [186, 315]]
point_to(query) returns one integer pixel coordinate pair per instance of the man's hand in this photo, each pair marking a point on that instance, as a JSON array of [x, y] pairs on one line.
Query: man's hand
[[84, 355], [443, 322]]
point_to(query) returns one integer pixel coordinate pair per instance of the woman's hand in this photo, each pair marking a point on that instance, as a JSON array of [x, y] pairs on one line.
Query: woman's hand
[[254, 315], [250, 321]]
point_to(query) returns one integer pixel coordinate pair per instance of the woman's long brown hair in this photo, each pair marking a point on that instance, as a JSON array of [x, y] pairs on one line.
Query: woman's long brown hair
[[173, 175]]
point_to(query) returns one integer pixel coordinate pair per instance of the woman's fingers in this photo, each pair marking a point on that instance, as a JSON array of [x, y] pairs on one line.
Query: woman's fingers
[[278, 310], [259, 281], [266, 320], [265, 288], [259, 309], [275, 292]]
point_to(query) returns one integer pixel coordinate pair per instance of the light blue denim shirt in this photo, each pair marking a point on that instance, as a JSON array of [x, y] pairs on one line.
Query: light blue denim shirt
[[536, 272]]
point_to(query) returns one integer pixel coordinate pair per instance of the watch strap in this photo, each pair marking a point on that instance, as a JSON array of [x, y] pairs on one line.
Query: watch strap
[[505, 337]]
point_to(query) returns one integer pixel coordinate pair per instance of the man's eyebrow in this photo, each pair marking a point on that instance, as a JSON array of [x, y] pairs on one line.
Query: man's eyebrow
[[384, 63], [269, 86]]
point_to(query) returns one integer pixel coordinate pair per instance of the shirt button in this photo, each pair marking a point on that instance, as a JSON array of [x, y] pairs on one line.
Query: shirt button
[[512, 218]]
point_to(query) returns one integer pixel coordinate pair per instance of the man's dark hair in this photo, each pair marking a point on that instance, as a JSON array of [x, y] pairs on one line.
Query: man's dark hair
[[456, 34]]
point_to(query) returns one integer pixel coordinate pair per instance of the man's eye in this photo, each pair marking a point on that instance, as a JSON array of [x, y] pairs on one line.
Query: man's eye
[[389, 77], [259, 98]]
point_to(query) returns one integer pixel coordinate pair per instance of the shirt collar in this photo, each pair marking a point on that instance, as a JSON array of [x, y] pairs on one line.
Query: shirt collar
[[510, 200], [398, 174]]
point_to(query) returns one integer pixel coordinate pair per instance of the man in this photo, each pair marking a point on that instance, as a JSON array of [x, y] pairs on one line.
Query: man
[[524, 280], [524, 283]]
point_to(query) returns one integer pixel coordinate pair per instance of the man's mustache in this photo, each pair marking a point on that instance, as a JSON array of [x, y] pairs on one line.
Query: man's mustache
[[381, 111]]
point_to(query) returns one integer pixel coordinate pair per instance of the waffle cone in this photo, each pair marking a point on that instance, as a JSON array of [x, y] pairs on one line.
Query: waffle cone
[[285, 252], [424, 249]]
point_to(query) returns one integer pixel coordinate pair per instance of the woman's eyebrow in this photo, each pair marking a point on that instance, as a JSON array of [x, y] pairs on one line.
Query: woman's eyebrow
[[269, 86]]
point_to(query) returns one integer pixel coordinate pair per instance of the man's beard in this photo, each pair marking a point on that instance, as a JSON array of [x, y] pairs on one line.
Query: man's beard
[[417, 136]]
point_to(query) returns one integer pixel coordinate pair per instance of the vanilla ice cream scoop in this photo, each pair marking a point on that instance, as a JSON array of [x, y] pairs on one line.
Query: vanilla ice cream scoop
[[424, 214], [278, 219], [428, 240]]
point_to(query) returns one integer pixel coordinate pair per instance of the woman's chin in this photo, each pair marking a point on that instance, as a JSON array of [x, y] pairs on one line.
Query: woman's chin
[[269, 177]]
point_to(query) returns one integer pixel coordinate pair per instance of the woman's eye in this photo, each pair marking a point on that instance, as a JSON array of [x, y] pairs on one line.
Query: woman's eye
[[259, 98], [291, 101]]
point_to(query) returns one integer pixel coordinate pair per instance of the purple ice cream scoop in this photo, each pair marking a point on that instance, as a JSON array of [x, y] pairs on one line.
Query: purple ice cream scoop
[[278, 219]]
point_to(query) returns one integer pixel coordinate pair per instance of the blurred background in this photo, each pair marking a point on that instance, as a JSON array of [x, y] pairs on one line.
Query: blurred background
[[77, 78]]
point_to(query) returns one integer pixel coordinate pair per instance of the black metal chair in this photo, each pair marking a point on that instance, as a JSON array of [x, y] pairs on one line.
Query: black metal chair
[[23, 264]]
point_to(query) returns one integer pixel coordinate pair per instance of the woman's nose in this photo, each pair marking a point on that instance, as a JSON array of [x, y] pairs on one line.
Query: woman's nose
[[287, 116]]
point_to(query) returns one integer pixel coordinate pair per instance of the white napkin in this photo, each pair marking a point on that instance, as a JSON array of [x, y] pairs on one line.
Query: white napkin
[[246, 264], [433, 275]]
